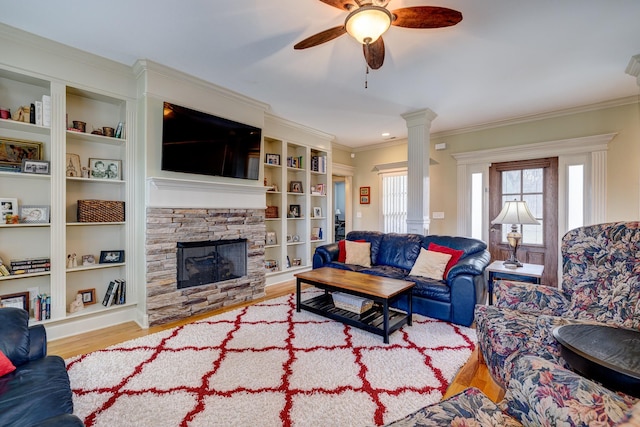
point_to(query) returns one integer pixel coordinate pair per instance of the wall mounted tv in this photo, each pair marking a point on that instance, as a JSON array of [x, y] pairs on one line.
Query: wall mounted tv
[[199, 143]]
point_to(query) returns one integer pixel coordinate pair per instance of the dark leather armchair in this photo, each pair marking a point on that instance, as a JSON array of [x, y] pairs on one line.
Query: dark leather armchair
[[37, 392]]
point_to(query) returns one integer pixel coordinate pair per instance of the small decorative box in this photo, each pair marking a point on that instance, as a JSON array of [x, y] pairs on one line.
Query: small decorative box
[[351, 303]]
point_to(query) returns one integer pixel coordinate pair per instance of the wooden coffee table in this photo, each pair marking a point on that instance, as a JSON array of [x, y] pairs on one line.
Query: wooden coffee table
[[380, 320], [606, 354]]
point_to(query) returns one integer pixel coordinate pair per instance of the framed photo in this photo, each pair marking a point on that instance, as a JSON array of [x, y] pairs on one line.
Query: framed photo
[[111, 257], [294, 211], [317, 212], [320, 189], [88, 296], [34, 214], [271, 238], [72, 165], [365, 195], [272, 159], [8, 207], [295, 187], [88, 260], [40, 167], [14, 151], [315, 233], [19, 300], [105, 169]]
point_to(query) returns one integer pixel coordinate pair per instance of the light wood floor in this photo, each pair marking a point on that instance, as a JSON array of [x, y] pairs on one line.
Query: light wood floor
[[473, 374]]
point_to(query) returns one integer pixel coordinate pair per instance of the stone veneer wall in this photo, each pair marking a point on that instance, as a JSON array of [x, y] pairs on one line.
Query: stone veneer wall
[[167, 226]]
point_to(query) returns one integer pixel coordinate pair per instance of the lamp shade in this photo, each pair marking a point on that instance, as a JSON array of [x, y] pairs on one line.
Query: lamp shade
[[338, 212], [515, 212], [367, 23]]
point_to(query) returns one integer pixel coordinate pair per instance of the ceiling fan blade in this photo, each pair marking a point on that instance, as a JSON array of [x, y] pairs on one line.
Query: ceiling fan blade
[[321, 37], [374, 53], [341, 4], [425, 17]]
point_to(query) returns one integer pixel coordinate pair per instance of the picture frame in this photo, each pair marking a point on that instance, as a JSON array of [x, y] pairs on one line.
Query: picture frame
[[317, 212], [364, 191], [17, 300], [295, 187], [14, 151], [38, 167], [271, 238], [315, 233], [34, 214], [272, 159], [73, 168], [111, 257], [294, 211], [88, 259], [8, 208], [88, 296], [320, 189], [365, 195], [364, 200], [108, 169]]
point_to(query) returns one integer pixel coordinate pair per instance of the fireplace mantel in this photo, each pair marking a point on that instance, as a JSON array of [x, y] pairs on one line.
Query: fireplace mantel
[[184, 193]]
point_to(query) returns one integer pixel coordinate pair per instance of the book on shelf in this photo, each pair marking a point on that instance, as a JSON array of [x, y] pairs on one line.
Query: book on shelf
[[108, 296], [119, 130], [116, 293], [42, 307], [39, 113], [46, 110], [30, 265]]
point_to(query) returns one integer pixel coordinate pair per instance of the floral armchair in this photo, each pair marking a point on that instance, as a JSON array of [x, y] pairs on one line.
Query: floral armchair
[[600, 283], [540, 393]]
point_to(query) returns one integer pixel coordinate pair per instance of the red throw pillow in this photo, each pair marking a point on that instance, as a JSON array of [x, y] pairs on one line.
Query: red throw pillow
[[455, 255], [342, 251], [5, 365]]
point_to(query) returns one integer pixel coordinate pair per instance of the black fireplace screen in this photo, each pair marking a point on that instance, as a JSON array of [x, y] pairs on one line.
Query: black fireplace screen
[[200, 263]]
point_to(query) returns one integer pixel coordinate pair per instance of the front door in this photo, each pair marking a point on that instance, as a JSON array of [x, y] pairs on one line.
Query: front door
[[536, 182]]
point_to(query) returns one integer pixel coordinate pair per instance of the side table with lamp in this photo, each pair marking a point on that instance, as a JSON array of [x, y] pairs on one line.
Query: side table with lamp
[[515, 212]]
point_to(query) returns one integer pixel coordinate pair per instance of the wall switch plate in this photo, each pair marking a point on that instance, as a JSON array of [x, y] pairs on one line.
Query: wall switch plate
[[358, 214], [437, 215]]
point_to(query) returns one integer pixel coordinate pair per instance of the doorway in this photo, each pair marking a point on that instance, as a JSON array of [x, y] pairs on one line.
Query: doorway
[[339, 204], [536, 182]]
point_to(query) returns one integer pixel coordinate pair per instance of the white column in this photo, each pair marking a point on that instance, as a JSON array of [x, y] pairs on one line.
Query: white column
[[418, 126]]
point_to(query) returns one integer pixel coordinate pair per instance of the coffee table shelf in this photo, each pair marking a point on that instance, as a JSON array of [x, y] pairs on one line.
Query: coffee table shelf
[[371, 320], [380, 320]]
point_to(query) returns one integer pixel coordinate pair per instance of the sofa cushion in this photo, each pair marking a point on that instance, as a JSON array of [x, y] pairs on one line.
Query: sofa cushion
[[373, 237], [429, 288], [342, 266], [342, 250], [467, 245], [455, 255], [430, 264], [34, 392], [386, 271], [358, 253], [5, 365], [399, 250], [14, 330]]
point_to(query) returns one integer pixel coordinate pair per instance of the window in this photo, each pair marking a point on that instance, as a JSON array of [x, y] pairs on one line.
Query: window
[[527, 185], [394, 202]]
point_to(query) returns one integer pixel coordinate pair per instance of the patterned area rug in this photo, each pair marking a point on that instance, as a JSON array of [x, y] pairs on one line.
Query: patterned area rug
[[268, 365]]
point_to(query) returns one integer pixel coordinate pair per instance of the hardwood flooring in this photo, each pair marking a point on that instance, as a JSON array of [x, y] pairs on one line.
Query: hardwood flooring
[[473, 374]]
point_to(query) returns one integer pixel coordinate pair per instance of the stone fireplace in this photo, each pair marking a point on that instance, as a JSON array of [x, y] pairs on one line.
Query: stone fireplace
[[200, 217]]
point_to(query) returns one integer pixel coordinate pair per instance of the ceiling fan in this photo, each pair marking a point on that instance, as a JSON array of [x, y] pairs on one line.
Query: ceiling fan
[[369, 19]]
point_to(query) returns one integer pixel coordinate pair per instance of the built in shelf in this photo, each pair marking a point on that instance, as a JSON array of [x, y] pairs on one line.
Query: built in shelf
[[101, 139], [22, 276], [95, 266], [24, 127], [96, 180], [44, 224], [73, 224], [25, 175]]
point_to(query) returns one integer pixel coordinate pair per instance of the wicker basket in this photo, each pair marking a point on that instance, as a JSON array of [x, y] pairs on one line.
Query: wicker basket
[[271, 212], [100, 211]]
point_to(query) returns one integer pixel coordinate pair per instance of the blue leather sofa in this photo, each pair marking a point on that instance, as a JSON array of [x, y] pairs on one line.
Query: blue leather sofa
[[393, 255], [37, 392]]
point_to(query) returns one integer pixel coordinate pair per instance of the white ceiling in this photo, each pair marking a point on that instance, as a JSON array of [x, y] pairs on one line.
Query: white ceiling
[[506, 59]]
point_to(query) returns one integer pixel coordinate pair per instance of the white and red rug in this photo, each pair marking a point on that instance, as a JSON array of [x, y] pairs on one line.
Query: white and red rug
[[267, 365]]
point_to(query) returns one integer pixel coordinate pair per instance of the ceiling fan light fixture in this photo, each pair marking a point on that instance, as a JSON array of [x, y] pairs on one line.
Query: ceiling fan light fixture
[[367, 23]]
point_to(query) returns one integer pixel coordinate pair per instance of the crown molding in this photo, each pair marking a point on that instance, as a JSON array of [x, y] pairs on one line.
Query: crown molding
[[541, 116]]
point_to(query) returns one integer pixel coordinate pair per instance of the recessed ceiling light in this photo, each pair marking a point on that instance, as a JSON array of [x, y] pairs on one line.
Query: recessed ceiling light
[[386, 134]]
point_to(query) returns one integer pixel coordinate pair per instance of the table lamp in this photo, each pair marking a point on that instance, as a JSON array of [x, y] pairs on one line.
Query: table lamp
[[515, 213], [338, 213]]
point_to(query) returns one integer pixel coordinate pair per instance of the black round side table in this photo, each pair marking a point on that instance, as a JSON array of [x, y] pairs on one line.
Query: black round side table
[[608, 355]]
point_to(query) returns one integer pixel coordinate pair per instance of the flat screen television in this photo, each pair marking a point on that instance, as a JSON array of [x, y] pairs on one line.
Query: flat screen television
[[200, 143]]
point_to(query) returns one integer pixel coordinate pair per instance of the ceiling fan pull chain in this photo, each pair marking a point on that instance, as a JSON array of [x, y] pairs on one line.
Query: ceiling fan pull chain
[[366, 76]]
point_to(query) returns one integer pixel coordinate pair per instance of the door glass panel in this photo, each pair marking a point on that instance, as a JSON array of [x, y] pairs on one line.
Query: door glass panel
[[476, 206], [532, 180], [575, 193], [511, 182]]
